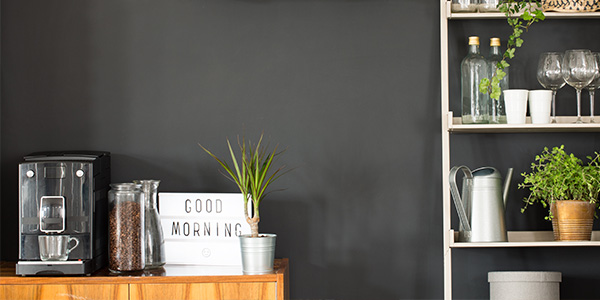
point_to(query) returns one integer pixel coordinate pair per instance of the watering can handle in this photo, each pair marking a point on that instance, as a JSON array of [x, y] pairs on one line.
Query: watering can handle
[[460, 208], [506, 185]]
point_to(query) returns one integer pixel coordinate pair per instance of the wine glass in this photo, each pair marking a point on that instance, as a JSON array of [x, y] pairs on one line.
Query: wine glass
[[579, 68], [549, 75], [595, 84]]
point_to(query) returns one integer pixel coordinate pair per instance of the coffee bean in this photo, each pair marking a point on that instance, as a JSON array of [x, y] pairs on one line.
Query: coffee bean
[[126, 240]]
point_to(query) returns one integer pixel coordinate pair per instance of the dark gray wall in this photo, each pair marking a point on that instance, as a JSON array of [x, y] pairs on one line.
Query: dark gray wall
[[350, 87]]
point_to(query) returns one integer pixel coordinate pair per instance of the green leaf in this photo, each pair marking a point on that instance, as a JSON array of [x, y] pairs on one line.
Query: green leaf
[[496, 92], [519, 42], [495, 81], [539, 15], [500, 74], [511, 52], [483, 85]]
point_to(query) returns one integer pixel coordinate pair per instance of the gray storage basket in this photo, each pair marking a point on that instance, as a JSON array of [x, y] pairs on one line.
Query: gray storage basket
[[524, 285]]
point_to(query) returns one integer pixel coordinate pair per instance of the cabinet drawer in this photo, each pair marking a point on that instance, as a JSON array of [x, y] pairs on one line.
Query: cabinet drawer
[[64, 291], [205, 291]]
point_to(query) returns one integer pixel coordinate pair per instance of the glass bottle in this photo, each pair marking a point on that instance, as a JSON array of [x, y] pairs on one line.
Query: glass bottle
[[497, 109], [489, 6], [474, 67], [126, 228], [464, 5], [155, 243]]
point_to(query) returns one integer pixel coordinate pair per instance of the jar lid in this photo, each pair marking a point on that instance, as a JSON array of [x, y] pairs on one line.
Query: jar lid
[[127, 186], [524, 276], [474, 40]]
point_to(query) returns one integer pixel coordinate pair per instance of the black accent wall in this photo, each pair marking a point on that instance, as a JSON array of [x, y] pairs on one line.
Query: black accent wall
[[350, 87]]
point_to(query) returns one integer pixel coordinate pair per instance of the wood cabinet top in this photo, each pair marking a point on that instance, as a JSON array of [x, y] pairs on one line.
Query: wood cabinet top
[[168, 274]]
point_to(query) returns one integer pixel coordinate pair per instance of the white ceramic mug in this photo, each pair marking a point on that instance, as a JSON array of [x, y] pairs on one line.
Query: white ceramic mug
[[540, 102], [55, 247], [515, 102]]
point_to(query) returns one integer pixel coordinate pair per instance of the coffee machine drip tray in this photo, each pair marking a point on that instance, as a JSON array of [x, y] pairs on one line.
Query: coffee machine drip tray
[[69, 267]]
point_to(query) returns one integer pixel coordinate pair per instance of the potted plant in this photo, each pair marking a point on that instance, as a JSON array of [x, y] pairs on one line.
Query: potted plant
[[569, 190], [520, 16], [253, 172]]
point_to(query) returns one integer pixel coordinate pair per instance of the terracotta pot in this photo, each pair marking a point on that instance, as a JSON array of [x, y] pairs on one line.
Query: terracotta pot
[[572, 220], [570, 5]]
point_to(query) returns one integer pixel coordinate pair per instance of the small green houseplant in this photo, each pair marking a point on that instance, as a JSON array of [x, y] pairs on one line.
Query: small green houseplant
[[252, 172], [558, 178], [530, 13]]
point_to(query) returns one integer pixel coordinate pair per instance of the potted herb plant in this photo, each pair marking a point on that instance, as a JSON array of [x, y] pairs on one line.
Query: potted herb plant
[[253, 172], [520, 16], [568, 188]]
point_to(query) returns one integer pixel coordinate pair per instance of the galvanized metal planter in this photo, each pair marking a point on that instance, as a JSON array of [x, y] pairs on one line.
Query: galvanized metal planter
[[258, 253]]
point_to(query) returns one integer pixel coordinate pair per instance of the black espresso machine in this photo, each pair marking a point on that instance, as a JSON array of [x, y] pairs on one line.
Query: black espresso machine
[[63, 211]]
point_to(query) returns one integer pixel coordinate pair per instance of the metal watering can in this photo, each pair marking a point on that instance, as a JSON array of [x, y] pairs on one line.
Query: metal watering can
[[481, 209]]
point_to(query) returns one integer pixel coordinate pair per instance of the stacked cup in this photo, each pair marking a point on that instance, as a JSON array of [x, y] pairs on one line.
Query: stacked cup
[[516, 106], [540, 102]]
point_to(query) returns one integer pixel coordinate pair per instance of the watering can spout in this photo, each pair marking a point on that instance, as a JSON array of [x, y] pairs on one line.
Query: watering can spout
[[509, 174]]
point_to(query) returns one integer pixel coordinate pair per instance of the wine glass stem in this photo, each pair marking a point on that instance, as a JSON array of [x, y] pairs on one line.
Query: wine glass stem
[[592, 92], [579, 106], [553, 106]]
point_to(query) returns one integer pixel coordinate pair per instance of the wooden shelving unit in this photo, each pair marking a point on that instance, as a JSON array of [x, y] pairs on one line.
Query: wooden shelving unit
[[452, 125]]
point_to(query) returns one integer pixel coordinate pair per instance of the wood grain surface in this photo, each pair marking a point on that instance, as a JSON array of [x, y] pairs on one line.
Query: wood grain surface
[[65, 292], [205, 291], [105, 285]]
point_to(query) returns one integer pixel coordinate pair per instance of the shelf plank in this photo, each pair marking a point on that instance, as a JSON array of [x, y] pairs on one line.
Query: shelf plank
[[548, 14], [528, 239], [498, 15], [565, 124]]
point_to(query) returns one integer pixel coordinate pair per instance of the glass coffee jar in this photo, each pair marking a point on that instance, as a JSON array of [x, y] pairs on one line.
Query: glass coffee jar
[[126, 228]]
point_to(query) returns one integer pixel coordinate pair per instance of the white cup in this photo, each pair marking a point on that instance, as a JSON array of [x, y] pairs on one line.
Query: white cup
[[540, 102], [55, 247], [515, 102]]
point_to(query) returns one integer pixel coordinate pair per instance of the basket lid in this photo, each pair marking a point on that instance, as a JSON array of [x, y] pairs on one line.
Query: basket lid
[[524, 276]]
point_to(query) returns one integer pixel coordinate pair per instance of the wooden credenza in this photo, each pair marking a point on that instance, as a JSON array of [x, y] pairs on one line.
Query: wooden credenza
[[168, 283]]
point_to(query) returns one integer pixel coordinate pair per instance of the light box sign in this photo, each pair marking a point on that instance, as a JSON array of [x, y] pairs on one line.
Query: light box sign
[[201, 228]]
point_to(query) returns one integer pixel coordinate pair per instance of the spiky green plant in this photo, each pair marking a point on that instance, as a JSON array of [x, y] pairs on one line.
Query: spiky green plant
[[252, 172]]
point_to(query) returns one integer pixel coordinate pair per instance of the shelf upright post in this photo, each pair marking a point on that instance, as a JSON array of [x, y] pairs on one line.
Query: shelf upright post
[[445, 94]]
